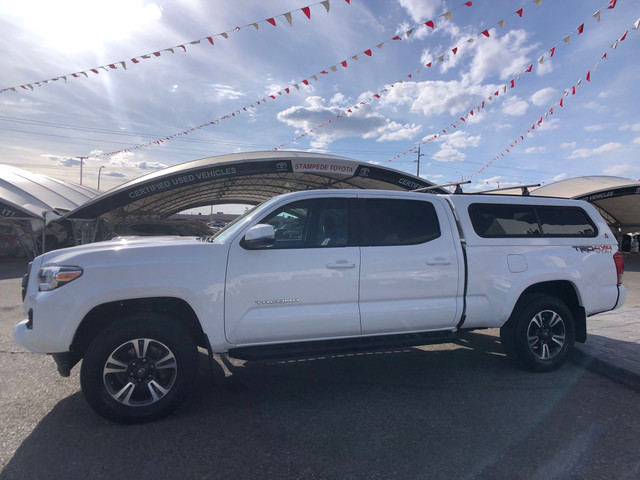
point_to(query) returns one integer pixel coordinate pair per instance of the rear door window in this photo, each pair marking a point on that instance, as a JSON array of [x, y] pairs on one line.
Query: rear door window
[[387, 222]]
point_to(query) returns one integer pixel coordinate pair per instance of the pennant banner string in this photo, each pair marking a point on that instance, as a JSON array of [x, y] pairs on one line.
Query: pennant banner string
[[272, 96], [551, 110], [158, 53], [490, 98], [484, 33]]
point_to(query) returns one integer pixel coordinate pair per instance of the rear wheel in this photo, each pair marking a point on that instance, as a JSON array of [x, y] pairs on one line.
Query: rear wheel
[[540, 335], [139, 369]]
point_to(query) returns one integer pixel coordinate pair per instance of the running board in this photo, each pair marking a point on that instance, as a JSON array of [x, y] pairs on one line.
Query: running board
[[331, 347]]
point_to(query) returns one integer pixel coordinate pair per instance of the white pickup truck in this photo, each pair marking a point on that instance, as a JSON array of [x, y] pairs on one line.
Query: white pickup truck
[[319, 272]]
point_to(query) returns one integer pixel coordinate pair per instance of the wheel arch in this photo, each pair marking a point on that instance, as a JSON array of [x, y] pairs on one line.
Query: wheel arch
[[101, 316], [563, 290]]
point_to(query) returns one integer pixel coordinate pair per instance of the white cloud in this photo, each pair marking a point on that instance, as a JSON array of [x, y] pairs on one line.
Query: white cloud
[[461, 139], [536, 150], [595, 106], [448, 154], [435, 97], [515, 107], [219, 92], [581, 153], [363, 122], [603, 149], [594, 128], [544, 96], [500, 56], [562, 176], [549, 125], [623, 169], [568, 145], [634, 127], [421, 10]]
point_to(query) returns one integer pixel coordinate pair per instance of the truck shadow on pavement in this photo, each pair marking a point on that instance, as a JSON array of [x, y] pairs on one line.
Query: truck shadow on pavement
[[442, 411]]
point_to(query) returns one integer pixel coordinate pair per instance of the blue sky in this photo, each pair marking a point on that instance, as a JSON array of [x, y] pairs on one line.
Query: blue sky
[[595, 132]]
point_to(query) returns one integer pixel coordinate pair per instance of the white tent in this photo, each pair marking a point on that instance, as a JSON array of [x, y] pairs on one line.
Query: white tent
[[617, 198], [29, 201]]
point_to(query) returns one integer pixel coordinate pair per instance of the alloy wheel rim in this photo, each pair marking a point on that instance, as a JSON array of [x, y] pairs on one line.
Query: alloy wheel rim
[[140, 372], [546, 335]]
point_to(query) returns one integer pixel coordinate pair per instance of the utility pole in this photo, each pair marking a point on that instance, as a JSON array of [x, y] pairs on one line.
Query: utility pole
[[419, 155]]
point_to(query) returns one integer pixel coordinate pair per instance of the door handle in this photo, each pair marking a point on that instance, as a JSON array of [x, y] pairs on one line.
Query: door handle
[[341, 264], [439, 261]]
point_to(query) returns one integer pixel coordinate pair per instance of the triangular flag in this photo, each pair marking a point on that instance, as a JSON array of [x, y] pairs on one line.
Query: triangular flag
[[581, 29], [501, 23], [553, 50], [636, 25], [588, 77], [567, 39], [455, 50], [429, 24], [367, 52], [486, 33], [289, 18], [541, 59], [612, 4], [597, 16], [307, 12], [519, 12], [448, 15], [621, 39], [271, 21], [325, 3]]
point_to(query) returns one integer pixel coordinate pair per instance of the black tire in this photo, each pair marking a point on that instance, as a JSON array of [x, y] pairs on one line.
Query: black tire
[[139, 369], [540, 335]]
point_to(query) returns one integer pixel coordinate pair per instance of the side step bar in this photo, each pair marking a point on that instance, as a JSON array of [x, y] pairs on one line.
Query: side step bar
[[331, 347]]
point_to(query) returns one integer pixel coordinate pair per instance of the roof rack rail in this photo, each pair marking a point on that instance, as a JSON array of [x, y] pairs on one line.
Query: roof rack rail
[[524, 188], [456, 184]]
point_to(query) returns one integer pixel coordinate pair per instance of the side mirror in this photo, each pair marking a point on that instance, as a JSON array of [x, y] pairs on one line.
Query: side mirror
[[259, 236]]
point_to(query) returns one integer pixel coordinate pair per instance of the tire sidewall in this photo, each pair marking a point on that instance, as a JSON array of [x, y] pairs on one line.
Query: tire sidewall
[[528, 311], [153, 326]]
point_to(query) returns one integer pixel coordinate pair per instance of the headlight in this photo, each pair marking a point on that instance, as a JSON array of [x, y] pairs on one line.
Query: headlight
[[50, 278]]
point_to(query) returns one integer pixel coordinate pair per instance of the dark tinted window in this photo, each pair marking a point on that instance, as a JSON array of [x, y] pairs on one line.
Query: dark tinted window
[[558, 221], [311, 224], [398, 222], [499, 220], [493, 220]]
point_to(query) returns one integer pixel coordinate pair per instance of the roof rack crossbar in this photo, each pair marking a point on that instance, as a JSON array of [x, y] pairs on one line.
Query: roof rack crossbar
[[524, 188], [433, 187]]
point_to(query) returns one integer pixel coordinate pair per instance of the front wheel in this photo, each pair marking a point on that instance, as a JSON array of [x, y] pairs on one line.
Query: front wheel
[[540, 335], [139, 369]]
